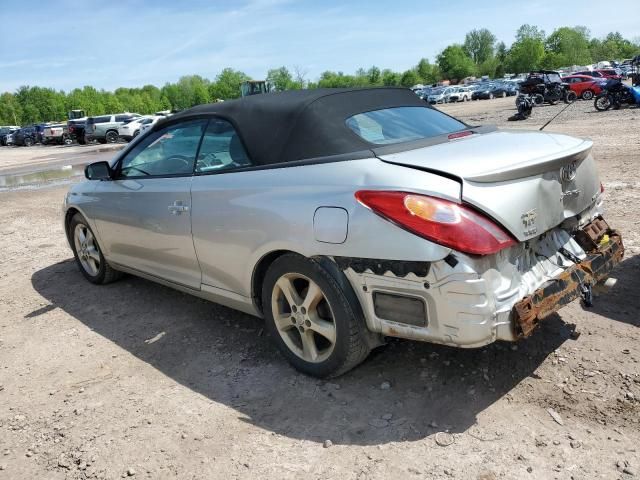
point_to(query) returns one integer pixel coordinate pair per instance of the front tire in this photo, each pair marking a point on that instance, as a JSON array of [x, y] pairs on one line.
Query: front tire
[[88, 254], [316, 324], [28, 142]]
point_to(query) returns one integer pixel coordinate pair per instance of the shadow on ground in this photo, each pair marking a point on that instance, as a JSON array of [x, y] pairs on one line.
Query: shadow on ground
[[622, 302], [223, 355]]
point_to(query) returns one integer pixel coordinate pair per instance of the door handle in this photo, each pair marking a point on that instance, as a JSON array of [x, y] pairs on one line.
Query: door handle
[[177, 208]]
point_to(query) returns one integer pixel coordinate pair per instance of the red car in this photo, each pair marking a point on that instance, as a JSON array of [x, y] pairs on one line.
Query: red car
[[601, 73], [585, 86]]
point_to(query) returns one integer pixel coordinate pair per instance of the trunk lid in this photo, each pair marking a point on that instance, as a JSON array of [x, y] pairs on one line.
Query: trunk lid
[[528, 181]]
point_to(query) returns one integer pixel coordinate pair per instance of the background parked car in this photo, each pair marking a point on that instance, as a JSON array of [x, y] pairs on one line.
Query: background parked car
[[148, 124], [131, 129], [489, 91], [56, 134], [600, 73], [5, 131], [104, 128], [25, 136], [585, 86], [440, 95], [7, 139], [459, 94]]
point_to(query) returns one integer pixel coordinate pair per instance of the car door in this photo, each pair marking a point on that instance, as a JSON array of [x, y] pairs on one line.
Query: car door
[[224, 231], [143, 216]]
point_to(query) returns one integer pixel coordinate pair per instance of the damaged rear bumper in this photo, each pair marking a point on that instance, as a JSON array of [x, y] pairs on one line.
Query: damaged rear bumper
[[470, 301], [604, 250]]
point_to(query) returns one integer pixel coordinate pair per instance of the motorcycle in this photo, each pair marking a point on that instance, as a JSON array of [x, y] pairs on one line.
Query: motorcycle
[[615, 94], [545, 86]]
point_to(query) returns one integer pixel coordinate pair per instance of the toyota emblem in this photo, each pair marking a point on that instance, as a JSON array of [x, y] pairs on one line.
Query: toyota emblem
[[568, 172]]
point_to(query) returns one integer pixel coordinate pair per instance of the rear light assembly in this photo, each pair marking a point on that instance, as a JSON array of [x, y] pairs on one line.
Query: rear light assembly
[[441, 221]]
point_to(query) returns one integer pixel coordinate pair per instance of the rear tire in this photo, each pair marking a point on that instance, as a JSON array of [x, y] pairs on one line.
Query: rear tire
[[602, 103], [28, 142], [538, 99], [300, 298], [111, 137], [88, 254]]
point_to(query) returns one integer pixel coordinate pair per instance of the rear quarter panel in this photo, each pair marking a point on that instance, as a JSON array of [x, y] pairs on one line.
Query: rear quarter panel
[[239, 217]]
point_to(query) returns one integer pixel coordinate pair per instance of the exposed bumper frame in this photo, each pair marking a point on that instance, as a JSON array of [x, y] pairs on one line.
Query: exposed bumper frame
[[566, 287]]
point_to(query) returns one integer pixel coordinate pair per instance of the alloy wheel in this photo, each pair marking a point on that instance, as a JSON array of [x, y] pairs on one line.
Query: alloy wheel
[[86, 249], [303, 317]]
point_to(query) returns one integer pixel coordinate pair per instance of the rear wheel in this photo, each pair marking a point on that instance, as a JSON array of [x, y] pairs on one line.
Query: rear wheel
[[570, 97], [315, 323], [587, 95], [538, 99], [28, 142], [602, 102], [111, 137], [88, 254]]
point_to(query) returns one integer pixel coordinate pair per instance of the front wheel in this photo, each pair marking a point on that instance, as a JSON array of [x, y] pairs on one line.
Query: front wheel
[[312, 317], [538, 99], [570, 97], [88, 254], [28, 142], [587, 95], [602, 102]]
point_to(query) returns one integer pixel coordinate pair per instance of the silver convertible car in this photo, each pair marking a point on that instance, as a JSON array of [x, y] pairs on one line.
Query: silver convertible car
[[344, 216]]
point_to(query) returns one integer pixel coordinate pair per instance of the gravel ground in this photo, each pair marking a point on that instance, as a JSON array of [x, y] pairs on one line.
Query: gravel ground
[[137, 380]]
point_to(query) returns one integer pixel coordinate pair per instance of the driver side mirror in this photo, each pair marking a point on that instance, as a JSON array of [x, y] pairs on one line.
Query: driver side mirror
[[98, 171]]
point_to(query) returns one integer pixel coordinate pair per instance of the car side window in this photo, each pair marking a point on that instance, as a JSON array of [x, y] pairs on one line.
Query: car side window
[[170, 151], [221, 149]]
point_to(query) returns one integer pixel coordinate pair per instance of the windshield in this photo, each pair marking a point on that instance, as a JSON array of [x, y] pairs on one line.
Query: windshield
[[402, 124]]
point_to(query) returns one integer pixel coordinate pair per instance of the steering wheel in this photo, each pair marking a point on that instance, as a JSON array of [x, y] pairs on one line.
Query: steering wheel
[[186, 162]]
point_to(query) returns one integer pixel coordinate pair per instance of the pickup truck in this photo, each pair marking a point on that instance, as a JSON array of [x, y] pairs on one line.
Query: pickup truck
[[56, 134], [76, 128]]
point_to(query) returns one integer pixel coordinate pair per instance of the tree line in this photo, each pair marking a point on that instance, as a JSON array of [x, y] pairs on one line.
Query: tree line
[[480, 54]]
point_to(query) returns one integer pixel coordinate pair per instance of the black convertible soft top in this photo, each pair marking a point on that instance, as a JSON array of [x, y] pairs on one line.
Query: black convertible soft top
[[303, 124]]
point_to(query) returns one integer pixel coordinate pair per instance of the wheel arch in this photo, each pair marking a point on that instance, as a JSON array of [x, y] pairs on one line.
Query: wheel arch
[[260, 271], [68, 215]]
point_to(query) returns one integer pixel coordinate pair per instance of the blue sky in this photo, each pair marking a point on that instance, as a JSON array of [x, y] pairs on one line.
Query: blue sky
[[66, 44]]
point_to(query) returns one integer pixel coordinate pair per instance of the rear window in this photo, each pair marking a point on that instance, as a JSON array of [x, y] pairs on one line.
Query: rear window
[[402, 124]]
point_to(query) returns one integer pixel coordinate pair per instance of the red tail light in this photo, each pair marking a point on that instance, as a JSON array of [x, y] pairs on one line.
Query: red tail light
[[441, 221]]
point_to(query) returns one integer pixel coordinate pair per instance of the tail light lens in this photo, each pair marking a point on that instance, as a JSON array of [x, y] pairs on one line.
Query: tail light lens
[[441, 221]]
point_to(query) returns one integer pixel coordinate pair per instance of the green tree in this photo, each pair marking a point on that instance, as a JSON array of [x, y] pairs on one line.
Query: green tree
[[568, 46], [479, 45], [410, 78], [527, 51], [281, 79], [454, 63], [390, 78], [227, 84], [374, 76], [427, 72]]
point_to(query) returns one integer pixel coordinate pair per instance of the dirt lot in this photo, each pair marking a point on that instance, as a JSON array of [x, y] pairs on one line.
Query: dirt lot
[[134, 379]]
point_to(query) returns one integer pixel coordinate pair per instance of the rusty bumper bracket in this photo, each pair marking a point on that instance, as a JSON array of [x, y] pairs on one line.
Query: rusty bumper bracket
[[602, 256]]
